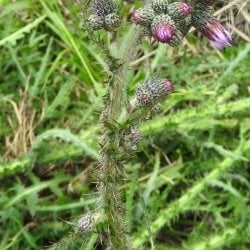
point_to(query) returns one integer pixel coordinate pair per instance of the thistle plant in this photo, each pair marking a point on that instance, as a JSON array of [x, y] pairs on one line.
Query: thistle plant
[[167, 23]]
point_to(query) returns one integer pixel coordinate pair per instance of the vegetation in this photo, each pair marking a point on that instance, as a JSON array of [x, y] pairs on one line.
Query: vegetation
[[187, 187]]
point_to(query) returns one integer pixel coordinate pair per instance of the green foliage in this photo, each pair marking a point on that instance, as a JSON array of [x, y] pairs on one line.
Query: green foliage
[[12, 39], [193, 169], [66, 136]]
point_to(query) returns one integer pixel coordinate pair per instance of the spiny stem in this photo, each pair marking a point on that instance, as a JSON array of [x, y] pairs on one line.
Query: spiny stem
[[112, 163]]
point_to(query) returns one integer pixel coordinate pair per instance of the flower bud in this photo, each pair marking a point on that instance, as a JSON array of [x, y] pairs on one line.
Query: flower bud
[[132, 138], [160, 6], [143, 16], [179, 9], [164, 30], [210, 27], [112, 21], [152, 91], [104, 7], [84, 224], [105, 15], [95, 22], [180, 12]]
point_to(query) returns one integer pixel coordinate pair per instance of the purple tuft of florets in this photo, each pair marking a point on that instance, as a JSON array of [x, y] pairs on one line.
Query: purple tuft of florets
[[169, 85], [217, 34], [163, 32], [185, 8]]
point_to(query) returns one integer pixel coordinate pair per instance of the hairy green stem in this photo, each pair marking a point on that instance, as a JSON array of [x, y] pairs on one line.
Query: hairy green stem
[[111, 164]]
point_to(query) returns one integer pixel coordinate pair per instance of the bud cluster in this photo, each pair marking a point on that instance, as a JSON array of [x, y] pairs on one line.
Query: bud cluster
[[167, 23], [170, 22], [105, 15], [152, 91]]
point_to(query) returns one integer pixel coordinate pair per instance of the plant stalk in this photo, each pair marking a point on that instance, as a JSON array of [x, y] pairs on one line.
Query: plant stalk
[[112, 172]]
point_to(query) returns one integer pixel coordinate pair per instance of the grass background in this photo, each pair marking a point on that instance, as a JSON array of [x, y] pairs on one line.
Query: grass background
[[190, 180]]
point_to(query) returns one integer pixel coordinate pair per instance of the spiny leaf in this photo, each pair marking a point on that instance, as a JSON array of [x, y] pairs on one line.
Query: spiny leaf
[[21, 32]]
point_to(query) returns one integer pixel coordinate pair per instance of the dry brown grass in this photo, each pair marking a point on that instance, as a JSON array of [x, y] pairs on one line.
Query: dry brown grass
[[22, 122]]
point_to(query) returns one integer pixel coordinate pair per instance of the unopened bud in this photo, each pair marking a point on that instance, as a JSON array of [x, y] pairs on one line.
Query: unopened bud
[[112, 21], [132, 139], [164, 30], [180, 12], [84, 224], [150, 92], [95, 22], [160, 6], [143, 16], [104, 7], [105, 15]]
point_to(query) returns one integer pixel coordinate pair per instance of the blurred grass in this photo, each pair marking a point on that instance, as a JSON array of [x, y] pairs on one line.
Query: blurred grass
[[193, 175]]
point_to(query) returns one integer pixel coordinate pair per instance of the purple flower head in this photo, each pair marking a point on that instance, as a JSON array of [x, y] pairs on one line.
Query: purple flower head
[[217, 34], [185, 8], [163, 32]]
